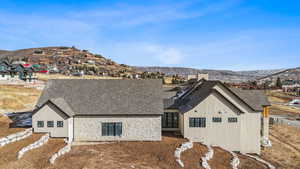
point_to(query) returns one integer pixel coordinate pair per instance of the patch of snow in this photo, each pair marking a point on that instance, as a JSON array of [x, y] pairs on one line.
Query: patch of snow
[[235, 162], [209, 155], [270, 166], [266, 142], [21, 119], [44, 139], [185, 146]]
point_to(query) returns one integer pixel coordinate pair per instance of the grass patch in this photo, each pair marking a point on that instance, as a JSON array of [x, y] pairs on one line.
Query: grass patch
[[17, 97]]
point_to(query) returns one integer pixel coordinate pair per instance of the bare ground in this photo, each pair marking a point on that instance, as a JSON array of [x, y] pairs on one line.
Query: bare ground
[[249, 163], [221, 159], [125, 155], [37, 158], [285, 150], [8, 153]]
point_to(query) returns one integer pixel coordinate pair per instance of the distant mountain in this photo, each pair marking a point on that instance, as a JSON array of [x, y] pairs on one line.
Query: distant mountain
[[223, 75], [288, 74], [66, 58], [260, 73], [3, 51]]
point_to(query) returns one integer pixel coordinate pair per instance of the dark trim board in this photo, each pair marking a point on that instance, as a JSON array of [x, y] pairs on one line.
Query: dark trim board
[[117, 115]]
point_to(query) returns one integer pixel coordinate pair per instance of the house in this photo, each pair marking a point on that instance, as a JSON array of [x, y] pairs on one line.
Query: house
[[290, 85], [198, 76], [100, 110], [4, 70], [210, 112], [131, 110]]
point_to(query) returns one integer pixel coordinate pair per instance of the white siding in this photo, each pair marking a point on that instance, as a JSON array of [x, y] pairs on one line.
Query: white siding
[[50, 113], [222, 134], [134, 128]]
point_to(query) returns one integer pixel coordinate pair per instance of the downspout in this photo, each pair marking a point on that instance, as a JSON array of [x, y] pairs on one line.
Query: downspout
[[73, 129]]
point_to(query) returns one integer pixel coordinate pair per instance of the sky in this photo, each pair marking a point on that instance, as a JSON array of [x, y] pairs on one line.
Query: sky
[[204, 34]]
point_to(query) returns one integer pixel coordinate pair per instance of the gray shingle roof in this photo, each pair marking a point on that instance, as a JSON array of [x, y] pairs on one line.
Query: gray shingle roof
[[254, 99], [63, 105], [169, 91], [105, 97]]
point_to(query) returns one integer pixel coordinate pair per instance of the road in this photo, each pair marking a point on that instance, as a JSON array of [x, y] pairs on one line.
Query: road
[[283, 119]]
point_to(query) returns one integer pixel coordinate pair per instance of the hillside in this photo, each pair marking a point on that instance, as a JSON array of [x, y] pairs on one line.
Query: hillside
[[223, 75], [68, 60], [3, 51], [65, 59], [288, 74]]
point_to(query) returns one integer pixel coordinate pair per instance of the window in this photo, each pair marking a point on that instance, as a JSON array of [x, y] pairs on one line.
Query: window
[[217, 119], [111, 129], [170, 120], [50, 123], [197, 122], [40, 123], [232, 120], [60, 124]]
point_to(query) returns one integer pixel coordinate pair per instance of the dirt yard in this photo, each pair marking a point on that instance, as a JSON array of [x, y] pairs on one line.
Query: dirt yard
[[17, 98], [34, 159], [146, 155], [285, 151]]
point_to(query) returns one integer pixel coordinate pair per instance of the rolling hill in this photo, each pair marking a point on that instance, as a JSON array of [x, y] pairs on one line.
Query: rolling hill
[[288, 74], [223, 75], [64, 58]]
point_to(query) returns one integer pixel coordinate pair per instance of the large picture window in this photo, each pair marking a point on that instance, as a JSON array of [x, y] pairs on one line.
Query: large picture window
[[170, 120], [112, 129], [197, 122]]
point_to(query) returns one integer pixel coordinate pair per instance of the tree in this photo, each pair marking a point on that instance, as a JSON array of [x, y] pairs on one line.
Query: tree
[[278, 82]]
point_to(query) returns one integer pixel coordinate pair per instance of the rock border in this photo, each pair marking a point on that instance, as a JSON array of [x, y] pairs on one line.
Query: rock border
[[61, 152], [208, 156], [235, 161], [185, 146], [44, 139], [15, 137]]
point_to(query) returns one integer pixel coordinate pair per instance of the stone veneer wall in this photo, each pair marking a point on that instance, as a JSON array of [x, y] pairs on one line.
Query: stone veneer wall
[[134, 128]]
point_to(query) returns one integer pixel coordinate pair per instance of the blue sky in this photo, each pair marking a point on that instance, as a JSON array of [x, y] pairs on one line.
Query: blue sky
[[211, 34]]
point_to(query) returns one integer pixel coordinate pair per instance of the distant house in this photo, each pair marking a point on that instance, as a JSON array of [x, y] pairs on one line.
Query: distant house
[[290, 85], [130, 110], [16, 71], [4, 70], [198, 76]]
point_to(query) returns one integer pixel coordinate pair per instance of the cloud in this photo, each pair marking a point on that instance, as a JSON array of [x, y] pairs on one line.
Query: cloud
[[165, 55], [124, 15]]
